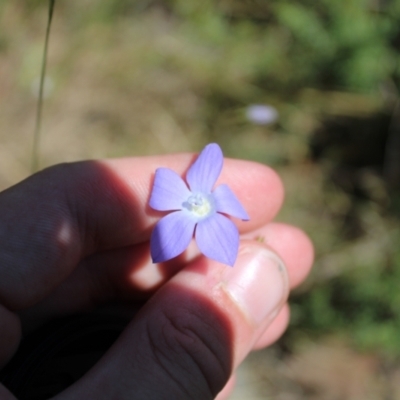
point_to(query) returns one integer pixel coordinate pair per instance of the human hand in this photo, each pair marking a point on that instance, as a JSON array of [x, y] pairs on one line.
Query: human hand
[[75, 236]]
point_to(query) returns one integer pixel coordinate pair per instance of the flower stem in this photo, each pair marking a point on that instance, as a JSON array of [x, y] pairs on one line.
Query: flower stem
[[36, 134]]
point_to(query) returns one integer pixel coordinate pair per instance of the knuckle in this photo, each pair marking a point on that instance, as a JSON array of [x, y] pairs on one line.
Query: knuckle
[[192, 349]]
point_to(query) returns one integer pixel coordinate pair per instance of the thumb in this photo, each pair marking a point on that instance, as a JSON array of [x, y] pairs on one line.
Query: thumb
[[186, 341]]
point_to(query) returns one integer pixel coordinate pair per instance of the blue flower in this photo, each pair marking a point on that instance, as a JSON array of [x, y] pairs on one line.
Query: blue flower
[[260, 114], [196, 210]]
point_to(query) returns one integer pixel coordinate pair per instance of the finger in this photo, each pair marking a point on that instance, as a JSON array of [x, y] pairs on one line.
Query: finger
[[257, 186], [60, 215], [129, 274], [293, 246], [272, 334], [275, 330], [121, 275], [193, 332]]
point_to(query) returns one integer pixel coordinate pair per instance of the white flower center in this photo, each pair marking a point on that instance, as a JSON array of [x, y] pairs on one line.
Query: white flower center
[[200, 205]]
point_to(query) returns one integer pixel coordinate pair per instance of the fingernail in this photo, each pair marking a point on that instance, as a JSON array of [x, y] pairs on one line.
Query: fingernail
[[258, 283]]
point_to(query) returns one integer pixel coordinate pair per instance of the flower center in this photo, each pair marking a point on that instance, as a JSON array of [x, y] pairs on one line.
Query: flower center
[[199, 204]]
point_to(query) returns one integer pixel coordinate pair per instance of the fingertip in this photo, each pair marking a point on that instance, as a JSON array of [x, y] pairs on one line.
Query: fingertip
[[258, 187], [275, 330], [296, 249], [293, 246]]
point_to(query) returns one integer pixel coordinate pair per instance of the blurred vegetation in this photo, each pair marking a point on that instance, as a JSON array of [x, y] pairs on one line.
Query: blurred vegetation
[[332, 70], [362, 304]]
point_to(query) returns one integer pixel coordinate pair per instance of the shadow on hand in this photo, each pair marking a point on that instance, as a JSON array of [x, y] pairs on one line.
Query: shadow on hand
[[53, 220], [183, 334]]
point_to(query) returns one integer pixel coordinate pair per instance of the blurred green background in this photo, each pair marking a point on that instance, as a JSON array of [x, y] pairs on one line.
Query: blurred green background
[[136, 77]]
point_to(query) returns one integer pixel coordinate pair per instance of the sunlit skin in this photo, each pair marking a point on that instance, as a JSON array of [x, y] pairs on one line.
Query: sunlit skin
[[83, 228]]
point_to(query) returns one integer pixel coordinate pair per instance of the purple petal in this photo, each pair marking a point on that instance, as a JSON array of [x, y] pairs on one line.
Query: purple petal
[[171, 236], [169, 191], [205, 171], [226, 202], [218, 238]]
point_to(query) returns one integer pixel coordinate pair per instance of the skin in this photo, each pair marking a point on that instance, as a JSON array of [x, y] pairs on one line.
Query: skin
[[83, 228]]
